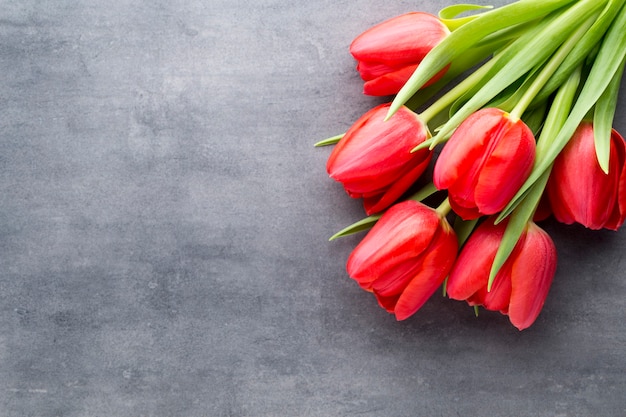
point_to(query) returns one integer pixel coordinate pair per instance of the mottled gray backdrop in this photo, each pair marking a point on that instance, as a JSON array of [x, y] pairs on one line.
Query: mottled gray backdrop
[[164, 221]]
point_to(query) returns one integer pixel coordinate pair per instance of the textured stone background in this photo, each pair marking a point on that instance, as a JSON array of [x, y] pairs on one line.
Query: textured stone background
[[164, 222]]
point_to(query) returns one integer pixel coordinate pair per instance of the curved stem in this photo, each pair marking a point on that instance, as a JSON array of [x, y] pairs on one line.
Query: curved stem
[[428, 190]]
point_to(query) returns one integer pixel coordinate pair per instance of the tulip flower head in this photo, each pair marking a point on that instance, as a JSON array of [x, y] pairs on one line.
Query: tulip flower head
[[405, 257], [580, 192], [522, 283], [373, 160], [389, 52], [484, 163]]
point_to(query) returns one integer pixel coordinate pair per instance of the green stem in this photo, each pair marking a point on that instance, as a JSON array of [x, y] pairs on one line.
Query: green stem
[[444, 208], [550, 68], [457, 92], [426, 191]]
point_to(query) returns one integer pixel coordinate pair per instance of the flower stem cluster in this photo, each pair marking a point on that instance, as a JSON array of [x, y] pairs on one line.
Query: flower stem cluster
[[521, 101]]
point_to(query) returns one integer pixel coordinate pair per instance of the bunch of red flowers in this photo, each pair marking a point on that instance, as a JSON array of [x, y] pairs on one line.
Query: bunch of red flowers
[[519, 103]]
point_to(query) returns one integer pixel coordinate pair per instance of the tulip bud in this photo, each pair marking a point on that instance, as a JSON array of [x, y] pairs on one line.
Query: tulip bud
[[580, 192], [405, 257], [373, 160], [485, 162], [389, 52], [522, 283]]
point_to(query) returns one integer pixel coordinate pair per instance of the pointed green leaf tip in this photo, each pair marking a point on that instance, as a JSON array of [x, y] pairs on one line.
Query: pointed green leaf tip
[[330, 141], [369, 222], [518, 223], [363, 224]]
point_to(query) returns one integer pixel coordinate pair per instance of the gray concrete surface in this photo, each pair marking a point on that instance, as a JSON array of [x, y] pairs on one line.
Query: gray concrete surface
[[164, 222]]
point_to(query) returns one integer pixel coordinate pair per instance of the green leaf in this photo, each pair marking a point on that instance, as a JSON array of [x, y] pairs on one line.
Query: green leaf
[[460, 66], [448, 15], [603, 119], [607, 63], [583, 49], [496, 63], [533, 52], [468, 36], [509, 97], [463, 229], [551, 66]]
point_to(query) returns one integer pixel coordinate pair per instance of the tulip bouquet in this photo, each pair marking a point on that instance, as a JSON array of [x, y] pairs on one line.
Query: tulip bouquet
[[513, 109]]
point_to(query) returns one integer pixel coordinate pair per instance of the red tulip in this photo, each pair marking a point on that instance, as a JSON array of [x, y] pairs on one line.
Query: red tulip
[[373, 160], [405, 257], [522, 283], [578, 189], [485, 162], [389, 52]]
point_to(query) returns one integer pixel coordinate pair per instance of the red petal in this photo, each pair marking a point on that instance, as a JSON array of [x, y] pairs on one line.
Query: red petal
[[391, 82], [408, 37], [435, 266], [372, 70], [470, 272], [373, 153], [464, 153], [394, 281], [506, 167], [497, 299], [531, 277], [579, 190], [619, 208], [400, 186], [388, 303], [402, 233]]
